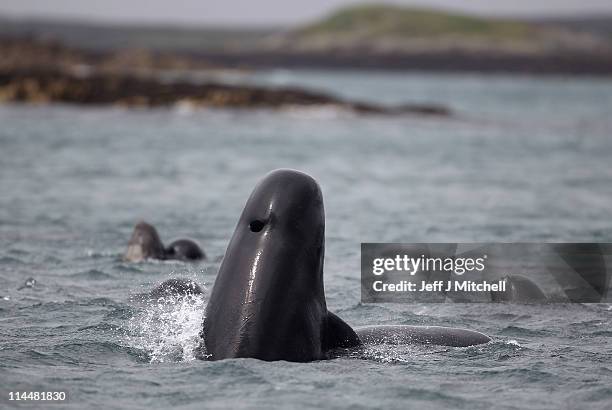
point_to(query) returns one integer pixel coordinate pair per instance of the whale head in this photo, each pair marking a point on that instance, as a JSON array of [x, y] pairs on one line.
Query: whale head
[[268, 300], [144, 244]]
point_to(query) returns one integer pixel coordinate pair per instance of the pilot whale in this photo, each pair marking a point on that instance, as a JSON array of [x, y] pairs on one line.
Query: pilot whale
[[145, 243], [268, 300], [519, 289]]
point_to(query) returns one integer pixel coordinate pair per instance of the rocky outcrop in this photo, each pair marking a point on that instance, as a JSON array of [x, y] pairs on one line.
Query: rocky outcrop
[[46, 86], [45, 72], [28, 54]]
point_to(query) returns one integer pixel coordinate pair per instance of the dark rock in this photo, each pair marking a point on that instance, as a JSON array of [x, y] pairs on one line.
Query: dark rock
[[45, 86]]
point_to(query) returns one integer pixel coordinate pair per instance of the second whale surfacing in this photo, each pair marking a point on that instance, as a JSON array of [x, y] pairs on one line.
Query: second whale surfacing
[[268, 300], [145, 243]]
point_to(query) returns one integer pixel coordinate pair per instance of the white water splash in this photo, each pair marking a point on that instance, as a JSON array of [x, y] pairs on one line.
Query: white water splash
[[400, 353], [167, 328], [92, 253]]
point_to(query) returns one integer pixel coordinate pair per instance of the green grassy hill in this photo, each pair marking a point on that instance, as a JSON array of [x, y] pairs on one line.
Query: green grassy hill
[[397, 29], [381, 20]]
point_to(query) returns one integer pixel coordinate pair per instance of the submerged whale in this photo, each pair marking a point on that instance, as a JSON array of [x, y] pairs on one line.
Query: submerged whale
[[146, 244], [170, 290], [268, 300], [176, 287], [519, 289], [579, 268]]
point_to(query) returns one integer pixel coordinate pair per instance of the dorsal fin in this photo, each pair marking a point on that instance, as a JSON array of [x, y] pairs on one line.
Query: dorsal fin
[[338, 334]]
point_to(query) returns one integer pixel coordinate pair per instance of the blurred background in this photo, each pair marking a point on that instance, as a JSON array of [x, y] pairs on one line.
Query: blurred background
[[563, 36]]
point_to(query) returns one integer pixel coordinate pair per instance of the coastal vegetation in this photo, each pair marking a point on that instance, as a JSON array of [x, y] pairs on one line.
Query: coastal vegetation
[[392, 28]]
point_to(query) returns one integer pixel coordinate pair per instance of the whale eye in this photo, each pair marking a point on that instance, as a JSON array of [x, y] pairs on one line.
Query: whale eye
[[256, 225]]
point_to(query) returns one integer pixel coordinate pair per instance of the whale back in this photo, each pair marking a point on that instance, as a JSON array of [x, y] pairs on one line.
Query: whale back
[[184, 250]]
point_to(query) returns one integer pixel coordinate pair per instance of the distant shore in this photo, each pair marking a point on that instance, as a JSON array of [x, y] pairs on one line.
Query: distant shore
[[569, 64], [381, 37]]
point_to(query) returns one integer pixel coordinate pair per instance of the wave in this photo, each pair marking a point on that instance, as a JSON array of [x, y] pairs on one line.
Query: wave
[[9, 260], [77, 353], [517, 331], [91, 253], [93, 274]]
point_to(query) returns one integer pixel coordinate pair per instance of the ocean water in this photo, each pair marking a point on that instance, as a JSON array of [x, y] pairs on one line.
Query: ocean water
[[522, 159]]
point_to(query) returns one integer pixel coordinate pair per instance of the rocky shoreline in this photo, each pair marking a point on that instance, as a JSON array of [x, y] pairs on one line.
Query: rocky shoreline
[[47, 72], [452, 61], [106, 88]]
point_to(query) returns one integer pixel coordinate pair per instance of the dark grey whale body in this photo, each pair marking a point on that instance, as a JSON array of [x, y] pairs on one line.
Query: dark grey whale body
[[447, 336], [268, 300], [170, 290], [176, 287], [145, 243], [579, 268]]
